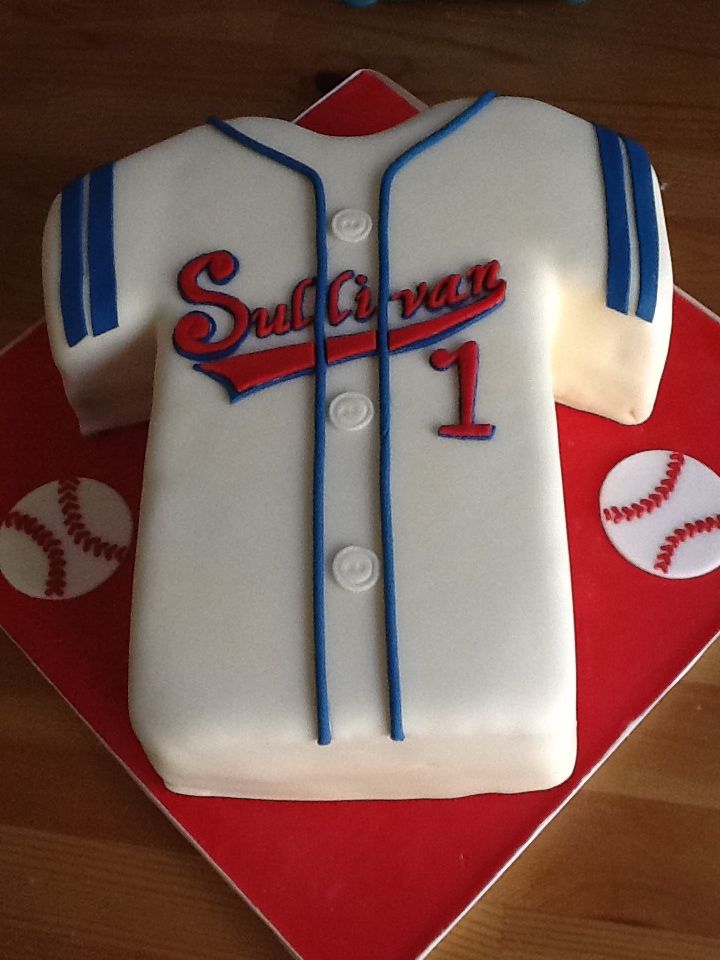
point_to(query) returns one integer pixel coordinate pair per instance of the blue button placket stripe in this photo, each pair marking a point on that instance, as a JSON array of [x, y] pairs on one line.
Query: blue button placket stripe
[[322, 700], [397, 731]]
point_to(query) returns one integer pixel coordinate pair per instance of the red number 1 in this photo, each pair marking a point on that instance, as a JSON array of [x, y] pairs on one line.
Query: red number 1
[[467, 359]]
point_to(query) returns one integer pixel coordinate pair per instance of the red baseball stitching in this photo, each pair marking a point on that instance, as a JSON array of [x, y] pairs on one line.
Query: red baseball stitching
[[47, 541], [687, 532], [75, 524], [654, 499]]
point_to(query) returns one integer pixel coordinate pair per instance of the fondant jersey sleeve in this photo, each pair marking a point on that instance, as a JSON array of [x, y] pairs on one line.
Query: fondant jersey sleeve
[[578, 200], [614, 278], [101, 269]]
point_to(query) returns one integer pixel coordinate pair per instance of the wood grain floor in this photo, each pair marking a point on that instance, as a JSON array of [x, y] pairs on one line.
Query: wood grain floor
[[88, 868]]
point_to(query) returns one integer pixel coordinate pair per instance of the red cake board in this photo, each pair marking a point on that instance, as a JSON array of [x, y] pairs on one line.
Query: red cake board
[[377, 879]]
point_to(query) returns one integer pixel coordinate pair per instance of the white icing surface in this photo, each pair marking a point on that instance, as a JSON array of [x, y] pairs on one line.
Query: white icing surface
[[222, 669], [693, 496]]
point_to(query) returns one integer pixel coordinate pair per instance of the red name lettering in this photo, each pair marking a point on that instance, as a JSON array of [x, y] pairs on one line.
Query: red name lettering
[[195, 331]]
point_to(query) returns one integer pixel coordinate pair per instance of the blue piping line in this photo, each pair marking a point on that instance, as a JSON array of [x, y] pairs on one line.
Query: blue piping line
[[618, 231], [647, 228], [72, 305], [391, 631], [321, 684], [101, 251]]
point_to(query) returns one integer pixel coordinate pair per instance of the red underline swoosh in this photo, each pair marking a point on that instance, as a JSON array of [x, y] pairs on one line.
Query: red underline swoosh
[[246, 373]]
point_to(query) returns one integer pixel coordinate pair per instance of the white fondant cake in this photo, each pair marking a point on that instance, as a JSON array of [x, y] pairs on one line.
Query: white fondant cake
[[352, 581]]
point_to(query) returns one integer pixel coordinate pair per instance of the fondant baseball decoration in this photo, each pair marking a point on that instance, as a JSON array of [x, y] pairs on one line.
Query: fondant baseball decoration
[[661, 511], [65, 538], [352, 577]]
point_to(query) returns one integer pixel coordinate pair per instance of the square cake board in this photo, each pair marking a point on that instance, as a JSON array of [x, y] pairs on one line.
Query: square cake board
[[377, 879]]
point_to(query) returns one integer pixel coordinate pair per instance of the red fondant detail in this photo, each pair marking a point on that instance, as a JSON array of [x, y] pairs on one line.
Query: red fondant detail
[[47, 541], [335, 314], [467, 358], [484, 276], [75, 524], [410, 302], [281, 321], [250, 371], [654, 499], [278, 325], [447, 292], [351, 346], [468, 431], [193, 330], [364, 307], [263, 324], [665, 555], [297, 304], [402, 338]]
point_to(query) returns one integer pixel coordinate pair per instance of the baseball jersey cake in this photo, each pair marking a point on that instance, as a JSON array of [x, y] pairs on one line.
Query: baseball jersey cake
[[352, 575]]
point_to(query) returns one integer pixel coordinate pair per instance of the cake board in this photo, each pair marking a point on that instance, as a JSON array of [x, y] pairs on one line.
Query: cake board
[[363, 879]]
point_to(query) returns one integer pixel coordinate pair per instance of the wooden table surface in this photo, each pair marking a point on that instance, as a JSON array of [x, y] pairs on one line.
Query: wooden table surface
[[88, 867]]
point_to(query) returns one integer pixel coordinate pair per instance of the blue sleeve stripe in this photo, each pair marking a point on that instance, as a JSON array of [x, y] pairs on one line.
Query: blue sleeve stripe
[[647, 228], [72, 303], [101, 251], [618, 232]]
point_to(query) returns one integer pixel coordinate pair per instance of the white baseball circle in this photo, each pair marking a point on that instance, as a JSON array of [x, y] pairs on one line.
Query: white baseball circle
[[56, 555], [667, 527]]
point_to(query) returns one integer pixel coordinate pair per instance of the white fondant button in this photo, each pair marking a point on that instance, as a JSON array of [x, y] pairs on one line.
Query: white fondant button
[[356, 569], [352, 226], [351, 411]]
